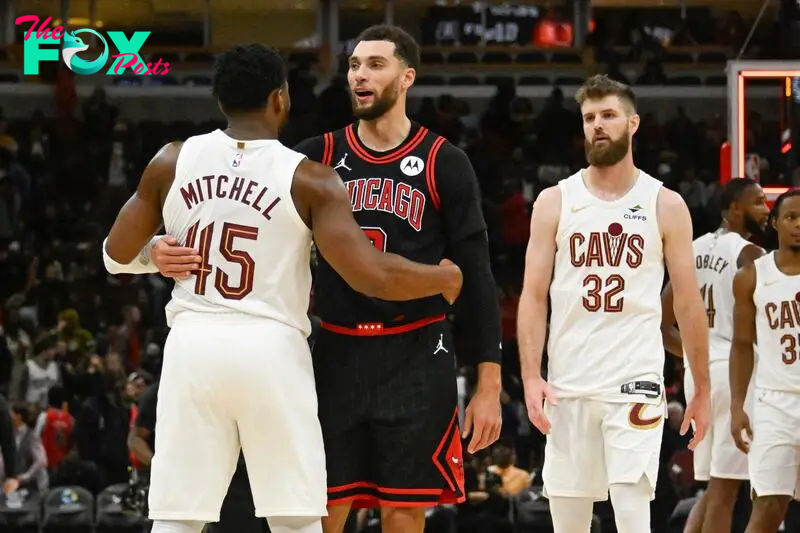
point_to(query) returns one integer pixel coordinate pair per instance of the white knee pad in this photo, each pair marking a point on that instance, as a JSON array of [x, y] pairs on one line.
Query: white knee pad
[[631, 503], [571, 515], [177, 526], [295, 524]]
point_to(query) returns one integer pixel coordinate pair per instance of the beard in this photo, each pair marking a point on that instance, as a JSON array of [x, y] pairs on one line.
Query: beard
[[381, 103], [752, 226], [612, 153]]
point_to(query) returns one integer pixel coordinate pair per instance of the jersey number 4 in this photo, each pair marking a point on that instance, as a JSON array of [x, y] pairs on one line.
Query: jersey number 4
[[200, 239], [707, 291]]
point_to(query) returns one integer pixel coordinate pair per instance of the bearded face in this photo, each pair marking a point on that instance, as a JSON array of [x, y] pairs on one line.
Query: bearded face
[[369, 104], [604, 151]]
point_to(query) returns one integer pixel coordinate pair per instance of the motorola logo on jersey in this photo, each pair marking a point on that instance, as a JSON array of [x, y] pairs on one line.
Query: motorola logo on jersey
[[635, 213], [383, 194], [412, 166], [606, 248]]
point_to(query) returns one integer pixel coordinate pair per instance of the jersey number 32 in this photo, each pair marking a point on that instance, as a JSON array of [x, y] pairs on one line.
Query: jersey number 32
[[201, 239]]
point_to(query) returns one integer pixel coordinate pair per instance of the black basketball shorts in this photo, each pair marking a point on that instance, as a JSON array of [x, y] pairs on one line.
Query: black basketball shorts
[[388, 406]]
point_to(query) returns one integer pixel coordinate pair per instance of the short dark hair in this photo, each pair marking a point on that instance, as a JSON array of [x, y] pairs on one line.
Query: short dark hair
[[776, 207], [600, 85], [405, 47], [733, 191], [771, 236], [246, 75]]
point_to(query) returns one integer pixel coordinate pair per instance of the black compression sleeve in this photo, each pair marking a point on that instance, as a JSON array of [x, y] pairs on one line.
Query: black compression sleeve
[[478, 309]]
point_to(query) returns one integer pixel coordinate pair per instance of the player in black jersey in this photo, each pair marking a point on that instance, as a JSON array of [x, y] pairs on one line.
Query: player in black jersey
[[385, 371]]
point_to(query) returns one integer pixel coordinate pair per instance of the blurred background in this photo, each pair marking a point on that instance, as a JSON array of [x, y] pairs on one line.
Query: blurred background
[[719, 89]]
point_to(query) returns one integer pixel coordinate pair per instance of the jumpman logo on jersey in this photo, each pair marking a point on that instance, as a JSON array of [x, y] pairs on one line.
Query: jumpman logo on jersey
[[440, 347], [342, 163]]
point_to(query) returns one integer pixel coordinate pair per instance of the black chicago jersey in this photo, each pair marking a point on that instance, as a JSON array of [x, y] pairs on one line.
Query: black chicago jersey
[[412, 201]]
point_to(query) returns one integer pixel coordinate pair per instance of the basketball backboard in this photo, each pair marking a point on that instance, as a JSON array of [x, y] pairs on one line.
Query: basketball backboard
[[735, 161]]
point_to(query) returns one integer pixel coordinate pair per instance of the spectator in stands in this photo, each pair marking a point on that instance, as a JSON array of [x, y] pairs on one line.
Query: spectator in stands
[[8, 447], [54, 427], [128, 341], [79, 342], [102, 422], [513, 479], [40, 372], [31, 463], [487, 507], [7, 142]]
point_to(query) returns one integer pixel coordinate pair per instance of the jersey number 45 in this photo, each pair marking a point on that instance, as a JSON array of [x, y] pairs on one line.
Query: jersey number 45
[[201, 239]]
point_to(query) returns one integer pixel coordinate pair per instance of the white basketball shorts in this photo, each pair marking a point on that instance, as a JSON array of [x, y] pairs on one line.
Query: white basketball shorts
[[231, 381], [775, 450], [594, 444], [717, 455]]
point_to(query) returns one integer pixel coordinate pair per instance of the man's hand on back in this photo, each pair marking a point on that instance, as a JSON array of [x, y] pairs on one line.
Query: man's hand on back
[[172, 260]]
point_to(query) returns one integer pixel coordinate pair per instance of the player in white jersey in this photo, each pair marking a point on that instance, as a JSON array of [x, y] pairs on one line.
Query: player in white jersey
[[237, 367], [605, 234], [718, 256], [767, 311]]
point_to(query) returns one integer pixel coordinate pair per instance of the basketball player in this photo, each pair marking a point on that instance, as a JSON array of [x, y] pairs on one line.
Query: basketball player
[[237, 367], [605, 234], [766, 296], [718, 256], [385, 372]]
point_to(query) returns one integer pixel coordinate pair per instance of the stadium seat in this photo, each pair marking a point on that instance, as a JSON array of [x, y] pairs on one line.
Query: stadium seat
[[112, 515], [20, 512], [68, 510]]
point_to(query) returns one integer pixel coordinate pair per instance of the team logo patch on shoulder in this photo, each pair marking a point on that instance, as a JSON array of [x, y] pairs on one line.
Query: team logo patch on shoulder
[[411, 166]]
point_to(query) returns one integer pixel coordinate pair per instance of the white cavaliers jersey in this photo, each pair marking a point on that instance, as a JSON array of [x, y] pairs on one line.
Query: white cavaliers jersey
[[232, 201], [605, 324], [777, 327], [716, 256]]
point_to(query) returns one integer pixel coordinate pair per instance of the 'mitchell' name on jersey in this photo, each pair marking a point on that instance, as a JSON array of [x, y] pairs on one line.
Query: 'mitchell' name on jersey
[[396, 200], [605, 325], [232, 188]]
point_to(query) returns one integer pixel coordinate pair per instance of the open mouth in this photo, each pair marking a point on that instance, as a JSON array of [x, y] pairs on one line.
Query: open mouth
[[363, 94], [600, 138]]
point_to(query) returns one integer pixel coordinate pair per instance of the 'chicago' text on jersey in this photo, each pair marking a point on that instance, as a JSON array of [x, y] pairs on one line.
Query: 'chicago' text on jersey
[[606, 248], [384, 194]]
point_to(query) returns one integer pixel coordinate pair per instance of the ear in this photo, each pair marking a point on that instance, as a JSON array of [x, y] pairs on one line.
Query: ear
[[774, 222], [408, 78], [276, 100], [635, 120]]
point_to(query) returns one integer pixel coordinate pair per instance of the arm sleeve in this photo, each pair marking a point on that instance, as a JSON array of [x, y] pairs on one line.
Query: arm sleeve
[[146, 418], [478, 308], [8, 442], [314, 148]]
